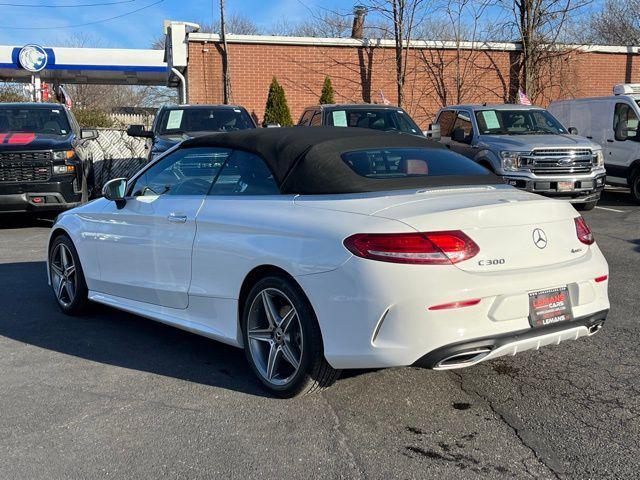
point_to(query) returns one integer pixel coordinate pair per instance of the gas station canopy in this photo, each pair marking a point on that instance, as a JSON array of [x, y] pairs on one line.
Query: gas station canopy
[[64, 65]]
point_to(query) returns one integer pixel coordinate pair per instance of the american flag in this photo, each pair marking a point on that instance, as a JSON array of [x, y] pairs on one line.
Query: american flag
[[384, 99], [522, 97]]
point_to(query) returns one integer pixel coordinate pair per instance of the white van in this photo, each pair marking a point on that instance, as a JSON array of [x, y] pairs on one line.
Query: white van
[[611, 122]]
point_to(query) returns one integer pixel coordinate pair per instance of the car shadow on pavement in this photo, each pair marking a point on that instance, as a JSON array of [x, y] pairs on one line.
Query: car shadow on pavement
[[31, 315], [616, 197], [22, 220]]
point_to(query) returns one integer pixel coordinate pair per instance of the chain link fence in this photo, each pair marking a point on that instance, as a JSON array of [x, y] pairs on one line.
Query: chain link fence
[[115, 154]]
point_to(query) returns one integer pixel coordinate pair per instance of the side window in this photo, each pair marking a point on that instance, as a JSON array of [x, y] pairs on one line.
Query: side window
[[306, 118], [463, 122], [625, 122], [188, 171], [316, 121], [446, 120], [245, 174]]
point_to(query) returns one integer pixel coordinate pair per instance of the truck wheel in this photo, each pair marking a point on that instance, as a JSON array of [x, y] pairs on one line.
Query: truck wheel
[[634, 185], [586, 206]]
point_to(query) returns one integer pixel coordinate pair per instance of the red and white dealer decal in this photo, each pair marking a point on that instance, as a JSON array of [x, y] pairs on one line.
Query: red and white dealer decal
[[549, 306]]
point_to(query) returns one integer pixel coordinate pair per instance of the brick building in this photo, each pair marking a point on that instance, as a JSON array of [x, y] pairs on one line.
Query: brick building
[[364, 71]]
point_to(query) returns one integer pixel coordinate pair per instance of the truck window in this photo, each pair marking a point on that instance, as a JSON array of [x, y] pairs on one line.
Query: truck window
[[306, 117], [446, 120], [625, 122], [316, 121], [464, 122]]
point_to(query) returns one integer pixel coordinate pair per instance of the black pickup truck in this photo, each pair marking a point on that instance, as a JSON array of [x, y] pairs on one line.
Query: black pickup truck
[[44, 161]]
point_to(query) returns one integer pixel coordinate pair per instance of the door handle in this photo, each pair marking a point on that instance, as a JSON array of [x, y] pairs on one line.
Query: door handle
[[590, 138], [609, 140], [177, 218]]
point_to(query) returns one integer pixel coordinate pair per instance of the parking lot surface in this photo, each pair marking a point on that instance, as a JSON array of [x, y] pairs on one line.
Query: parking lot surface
[[115, 395]]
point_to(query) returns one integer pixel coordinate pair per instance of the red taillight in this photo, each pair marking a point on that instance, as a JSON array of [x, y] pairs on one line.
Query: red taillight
[[431, 248], [460, 304], [583, 231], [601, 278]]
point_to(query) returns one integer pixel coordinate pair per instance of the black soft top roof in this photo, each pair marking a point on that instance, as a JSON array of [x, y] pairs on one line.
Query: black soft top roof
[[307, 160]]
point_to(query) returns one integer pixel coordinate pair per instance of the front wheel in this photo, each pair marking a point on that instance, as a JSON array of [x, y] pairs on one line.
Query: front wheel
[[282, 339], [635, 186], [67, 277], [586, 206]]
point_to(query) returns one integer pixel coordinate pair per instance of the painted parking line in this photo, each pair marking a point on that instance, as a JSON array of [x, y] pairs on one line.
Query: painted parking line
[[610, 209]]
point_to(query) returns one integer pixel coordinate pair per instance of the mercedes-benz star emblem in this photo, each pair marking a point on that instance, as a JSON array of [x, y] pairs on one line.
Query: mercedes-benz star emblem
[[539, 238]]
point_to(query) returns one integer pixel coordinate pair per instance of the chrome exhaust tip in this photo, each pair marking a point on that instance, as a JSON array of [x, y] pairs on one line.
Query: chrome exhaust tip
[[463, 359], [593, 329]]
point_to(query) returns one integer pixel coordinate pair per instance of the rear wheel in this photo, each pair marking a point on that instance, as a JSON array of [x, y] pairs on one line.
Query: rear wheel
[[67, 279], [282, 339]]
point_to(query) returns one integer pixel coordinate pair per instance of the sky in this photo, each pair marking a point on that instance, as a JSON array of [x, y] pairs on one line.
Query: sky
[[39, 21]]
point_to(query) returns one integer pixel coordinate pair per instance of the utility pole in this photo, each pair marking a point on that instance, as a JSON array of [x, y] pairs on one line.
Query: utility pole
[[225, 56]]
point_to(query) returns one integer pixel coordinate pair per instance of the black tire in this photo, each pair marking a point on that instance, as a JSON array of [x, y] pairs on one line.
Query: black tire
[[78, 304], [586, 206], [634, 185], [314, 373]]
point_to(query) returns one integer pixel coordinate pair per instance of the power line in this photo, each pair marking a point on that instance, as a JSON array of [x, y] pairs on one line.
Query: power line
[[87, 23], [100, 4]]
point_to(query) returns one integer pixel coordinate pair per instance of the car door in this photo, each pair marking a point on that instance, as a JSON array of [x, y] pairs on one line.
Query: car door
[[622, 140], [243, 211], [145, 245]]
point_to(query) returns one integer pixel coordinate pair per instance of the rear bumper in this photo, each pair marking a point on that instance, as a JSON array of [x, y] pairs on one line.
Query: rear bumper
[[468, 353], [37, 197], [376, 314], [584, 188]]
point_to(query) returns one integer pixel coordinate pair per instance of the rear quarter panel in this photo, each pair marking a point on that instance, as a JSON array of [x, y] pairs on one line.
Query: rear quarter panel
[[237, 234]]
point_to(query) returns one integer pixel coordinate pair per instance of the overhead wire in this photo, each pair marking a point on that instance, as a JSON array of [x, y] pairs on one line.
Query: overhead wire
[[76, 5], [86, 23]]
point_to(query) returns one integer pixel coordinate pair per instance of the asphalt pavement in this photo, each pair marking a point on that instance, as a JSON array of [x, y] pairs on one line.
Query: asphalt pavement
[[117, 396]]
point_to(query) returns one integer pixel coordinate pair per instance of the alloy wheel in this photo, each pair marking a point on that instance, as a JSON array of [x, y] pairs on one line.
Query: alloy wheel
[[275, 336], [63, 275]]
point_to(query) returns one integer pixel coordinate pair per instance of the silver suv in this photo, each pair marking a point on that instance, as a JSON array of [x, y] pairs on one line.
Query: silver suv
[[528, 147]]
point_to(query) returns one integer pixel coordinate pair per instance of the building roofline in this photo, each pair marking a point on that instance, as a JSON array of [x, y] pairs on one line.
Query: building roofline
[[390, 43]]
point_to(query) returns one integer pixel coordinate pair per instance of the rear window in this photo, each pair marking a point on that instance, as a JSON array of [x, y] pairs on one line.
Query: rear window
[[410, 162]]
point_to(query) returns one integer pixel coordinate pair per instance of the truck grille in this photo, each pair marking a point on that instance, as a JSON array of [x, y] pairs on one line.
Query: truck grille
[[559, 161], [25, 166]]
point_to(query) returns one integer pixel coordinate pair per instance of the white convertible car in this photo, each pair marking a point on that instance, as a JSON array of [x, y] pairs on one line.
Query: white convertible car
[[321, 249]]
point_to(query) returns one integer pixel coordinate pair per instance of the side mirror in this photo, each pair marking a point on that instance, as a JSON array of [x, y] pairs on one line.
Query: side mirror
[[139, 131], [434, 132], [88, 134], [115, 190], [573, 130], [459, 136]]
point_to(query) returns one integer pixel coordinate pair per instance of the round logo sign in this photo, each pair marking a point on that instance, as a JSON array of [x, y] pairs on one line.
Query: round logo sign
[[33, 58], [539, 238]]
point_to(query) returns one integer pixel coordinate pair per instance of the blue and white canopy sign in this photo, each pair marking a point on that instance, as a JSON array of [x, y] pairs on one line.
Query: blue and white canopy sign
[[33, 58]]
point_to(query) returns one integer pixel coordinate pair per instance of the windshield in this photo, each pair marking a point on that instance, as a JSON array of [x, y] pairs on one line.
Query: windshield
[[47, 121], [204, 119], [517, 122], [410, 162], [385, 119]]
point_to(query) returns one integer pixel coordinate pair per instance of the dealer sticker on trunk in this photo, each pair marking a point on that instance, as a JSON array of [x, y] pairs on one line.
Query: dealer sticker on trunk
[[549, 306]]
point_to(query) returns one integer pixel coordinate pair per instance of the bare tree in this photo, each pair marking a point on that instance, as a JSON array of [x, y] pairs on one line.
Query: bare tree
[[540, 26], [454, 65], [403, 16], [617, 23]]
